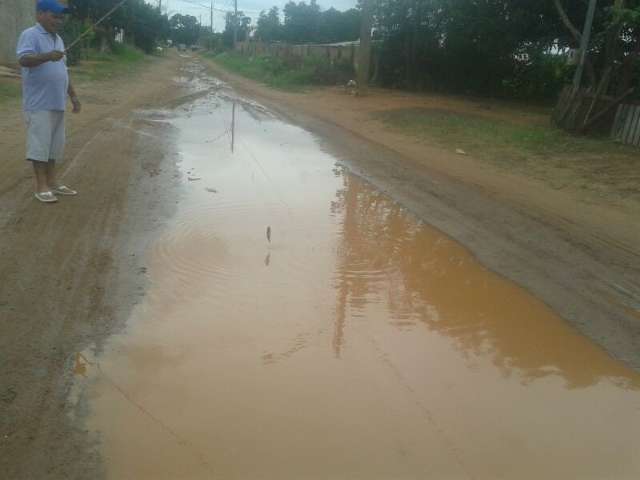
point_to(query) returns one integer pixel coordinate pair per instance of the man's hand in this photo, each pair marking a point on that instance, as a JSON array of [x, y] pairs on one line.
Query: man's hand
[[77, 106], [54, 56], [31, 61]]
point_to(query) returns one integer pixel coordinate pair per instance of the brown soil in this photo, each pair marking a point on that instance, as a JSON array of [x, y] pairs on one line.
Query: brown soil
[[71, 271]]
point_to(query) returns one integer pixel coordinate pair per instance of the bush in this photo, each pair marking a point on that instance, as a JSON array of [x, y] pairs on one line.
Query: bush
[[325, 72], [459, 65], [290, 71], [127, 53], [540, 78]]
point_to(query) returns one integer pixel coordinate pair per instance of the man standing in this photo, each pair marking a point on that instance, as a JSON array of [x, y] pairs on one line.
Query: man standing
[[45, 86]]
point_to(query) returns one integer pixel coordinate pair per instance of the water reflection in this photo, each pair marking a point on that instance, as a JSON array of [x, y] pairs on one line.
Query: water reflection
[[385, 257], [227, 361], [233, 126]]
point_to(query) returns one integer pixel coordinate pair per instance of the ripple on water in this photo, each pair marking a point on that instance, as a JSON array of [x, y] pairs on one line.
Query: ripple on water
[[209, 252]]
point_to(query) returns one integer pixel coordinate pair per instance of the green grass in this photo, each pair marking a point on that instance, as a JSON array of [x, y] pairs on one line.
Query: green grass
[[292, 74], [490, 138], [9, 90], [103, 66], [269, 70], [597, 167]]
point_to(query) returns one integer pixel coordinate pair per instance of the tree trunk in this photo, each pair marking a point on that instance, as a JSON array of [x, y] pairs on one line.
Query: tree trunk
[[364, 52], [612, 48], [575, 33], [626, 76], [414, 45]]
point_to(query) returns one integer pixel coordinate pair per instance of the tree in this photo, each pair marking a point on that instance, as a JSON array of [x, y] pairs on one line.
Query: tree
[[614, 50], [335, 26], [301, 22], [269, 27], [611, 61], [143, 24], [475, 46], [307, 23], [149, 26], [184, 29], [244, 24]]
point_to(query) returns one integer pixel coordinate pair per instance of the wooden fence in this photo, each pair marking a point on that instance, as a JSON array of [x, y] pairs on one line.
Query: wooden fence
[[333, 51], [583, 111], [626, 126]]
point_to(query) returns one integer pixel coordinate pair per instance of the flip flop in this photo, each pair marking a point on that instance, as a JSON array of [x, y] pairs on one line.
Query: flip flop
[[46, 197], [63, 190]]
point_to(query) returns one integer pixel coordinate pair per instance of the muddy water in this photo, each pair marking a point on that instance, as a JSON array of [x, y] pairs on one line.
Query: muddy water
[[353, 343]]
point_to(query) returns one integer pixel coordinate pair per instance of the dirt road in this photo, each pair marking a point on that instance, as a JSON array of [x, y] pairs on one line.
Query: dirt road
[[72, 272]]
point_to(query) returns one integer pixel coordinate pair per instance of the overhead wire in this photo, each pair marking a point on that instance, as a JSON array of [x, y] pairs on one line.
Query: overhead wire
[[208, 7]]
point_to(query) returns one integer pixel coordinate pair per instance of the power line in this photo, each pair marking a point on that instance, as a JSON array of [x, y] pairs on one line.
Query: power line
[[208, 7], [231, 10]]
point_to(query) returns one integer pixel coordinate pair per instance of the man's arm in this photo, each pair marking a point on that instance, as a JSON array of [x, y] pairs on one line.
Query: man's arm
[[27, 51], [77, 106], [35, 60]]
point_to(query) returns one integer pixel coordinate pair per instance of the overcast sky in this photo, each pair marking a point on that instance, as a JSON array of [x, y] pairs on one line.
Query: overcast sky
[[250, 7]]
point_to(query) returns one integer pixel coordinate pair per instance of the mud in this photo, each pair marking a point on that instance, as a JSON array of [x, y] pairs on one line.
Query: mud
[[71, 273], [302, 324], [580, 258], [379, 366]]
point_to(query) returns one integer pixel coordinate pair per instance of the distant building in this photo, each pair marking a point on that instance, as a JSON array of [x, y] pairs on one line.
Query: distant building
[[119, 35], [15, 16]]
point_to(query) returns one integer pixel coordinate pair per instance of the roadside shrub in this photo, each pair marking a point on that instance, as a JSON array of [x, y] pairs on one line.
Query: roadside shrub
[[127, 53], [541, 77], [325, 72], [289, 71]]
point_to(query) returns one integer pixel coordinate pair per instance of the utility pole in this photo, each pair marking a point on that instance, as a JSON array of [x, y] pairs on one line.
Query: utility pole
[[211, 16], [364, 51], [584, 45], [235, 24]]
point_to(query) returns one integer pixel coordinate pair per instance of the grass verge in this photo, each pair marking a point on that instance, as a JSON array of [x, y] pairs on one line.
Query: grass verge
[[544, 152], [291, 74], [486, 136], [102, 66]]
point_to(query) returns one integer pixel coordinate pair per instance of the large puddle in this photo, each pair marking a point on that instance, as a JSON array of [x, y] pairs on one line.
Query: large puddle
[[353, 343]]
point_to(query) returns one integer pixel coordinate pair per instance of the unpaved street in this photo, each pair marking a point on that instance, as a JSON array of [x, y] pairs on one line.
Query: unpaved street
[[243, 290], [70, 272]]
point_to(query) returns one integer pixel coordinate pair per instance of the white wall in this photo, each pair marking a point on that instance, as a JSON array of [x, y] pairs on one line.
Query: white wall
[[15, 16]]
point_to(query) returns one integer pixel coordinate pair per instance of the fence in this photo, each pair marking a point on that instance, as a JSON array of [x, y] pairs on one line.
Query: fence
[[626, 126], [332, 51]]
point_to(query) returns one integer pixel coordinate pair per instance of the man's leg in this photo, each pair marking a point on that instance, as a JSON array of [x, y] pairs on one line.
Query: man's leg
[[43, 187], [52, 181], [38, 145], [56, 152], [41, 170], [50, 171]]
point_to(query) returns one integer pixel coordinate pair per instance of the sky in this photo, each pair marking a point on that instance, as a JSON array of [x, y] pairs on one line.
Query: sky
[[251, 8]]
